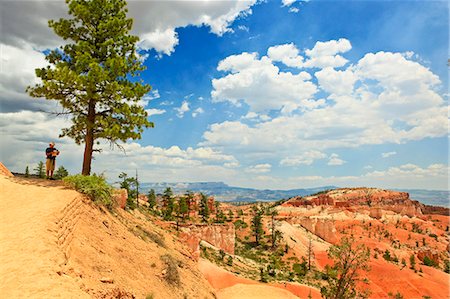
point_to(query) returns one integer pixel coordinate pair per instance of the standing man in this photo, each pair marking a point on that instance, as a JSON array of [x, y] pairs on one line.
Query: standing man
[[51, 152]]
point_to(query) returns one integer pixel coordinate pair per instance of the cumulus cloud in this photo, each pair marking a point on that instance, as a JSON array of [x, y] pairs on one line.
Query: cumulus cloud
[[163, 42], [198, 111], [18, 71], [388, 154], [25, 22], [334, 160], [261, 84], [182, 109], [406, 176], [382, 98], [259, 168], [154, 111], [288, 2], [287, 54], [306, 158], [328, 51], [336, 82]]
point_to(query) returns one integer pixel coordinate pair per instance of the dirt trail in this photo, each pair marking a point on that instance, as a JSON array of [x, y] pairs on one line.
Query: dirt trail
[[54, 243], [35, 223]]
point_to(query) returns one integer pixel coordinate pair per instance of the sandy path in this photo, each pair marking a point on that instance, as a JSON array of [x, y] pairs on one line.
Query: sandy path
[[33, 231]]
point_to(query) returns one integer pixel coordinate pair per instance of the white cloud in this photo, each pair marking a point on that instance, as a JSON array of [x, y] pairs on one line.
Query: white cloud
[[261, 84], [294, 10], [411, 171], [388, 154], [336, 82], [325, 54], [182, 109], [243, 28], [155, 22], [153, 95], [334, 160], [392, 103], [306, 158], [198, 111], [259, 168], [17, 72], [287, 54], [288, 2], [162, 41], [154, 111], [159, 20]]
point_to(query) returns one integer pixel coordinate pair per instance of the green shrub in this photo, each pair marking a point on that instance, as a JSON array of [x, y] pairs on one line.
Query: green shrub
[[429, 262], [238, 224], [230, 261], [94, 186], [447, 266]]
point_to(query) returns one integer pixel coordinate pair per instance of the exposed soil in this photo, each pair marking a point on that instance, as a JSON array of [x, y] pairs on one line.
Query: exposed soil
[[56, 244]]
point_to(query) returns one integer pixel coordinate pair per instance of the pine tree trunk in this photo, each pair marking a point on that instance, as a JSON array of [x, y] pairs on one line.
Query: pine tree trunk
[[89, 140]]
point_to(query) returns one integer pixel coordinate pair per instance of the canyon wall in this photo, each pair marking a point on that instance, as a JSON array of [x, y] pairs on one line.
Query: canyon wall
[[218, 235]]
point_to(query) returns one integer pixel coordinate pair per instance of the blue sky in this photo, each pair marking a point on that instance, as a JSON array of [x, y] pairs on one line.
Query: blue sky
[[266, 94]]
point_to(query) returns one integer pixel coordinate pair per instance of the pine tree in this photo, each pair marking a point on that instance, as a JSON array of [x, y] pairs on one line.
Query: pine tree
[[204, 208], [129, 183], [310, 252], [168, 203], [275, 234], [39, 170], [90, 75], [230, 215], [61, 173], [257, 227], [151, 199], [27, 172]]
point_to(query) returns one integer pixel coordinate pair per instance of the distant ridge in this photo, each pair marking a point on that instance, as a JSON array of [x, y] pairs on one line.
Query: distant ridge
[[224, 192]]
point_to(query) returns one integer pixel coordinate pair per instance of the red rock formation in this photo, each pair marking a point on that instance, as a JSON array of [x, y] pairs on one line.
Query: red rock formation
[[120, 196], [221, 236], [5, 171], [322, 228], [376, 212], [433, 210], [430, 253], [395, 201]]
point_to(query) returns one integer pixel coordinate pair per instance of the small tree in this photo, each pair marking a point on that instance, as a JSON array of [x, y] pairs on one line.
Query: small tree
[[447, 266], [151, 199], [230, 215], [130, 184], [310, 252], [168, 203], [27, 172], [204, 208], [257, 227], [412, 261], [39, 170], [182, 208], [349, 260], [403, 263], [61, 173]]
